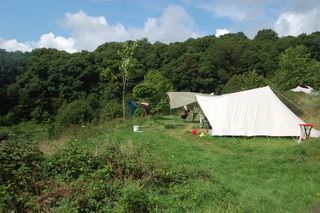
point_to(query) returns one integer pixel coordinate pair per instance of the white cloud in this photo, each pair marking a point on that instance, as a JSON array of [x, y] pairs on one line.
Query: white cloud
[[286, 17], [246, 16], [290, 23], [49, 40], [88, 32], [174, 25], [14, 45], [220, 32]]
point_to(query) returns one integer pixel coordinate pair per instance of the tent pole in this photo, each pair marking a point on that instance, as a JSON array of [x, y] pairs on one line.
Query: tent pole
[[171, 115]]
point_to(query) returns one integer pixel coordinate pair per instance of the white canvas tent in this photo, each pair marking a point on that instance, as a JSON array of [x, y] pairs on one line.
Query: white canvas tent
[[256, 112], [180, 99], [307, 89]]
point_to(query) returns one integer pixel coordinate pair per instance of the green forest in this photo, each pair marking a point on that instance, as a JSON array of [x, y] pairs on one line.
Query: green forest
[[40, 85], [64, 147]]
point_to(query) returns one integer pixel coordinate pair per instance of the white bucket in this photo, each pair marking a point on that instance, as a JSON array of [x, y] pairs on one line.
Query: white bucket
[[136, 128]]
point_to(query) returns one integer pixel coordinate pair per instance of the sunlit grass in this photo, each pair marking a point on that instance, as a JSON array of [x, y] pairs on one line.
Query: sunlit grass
[[234, 174]]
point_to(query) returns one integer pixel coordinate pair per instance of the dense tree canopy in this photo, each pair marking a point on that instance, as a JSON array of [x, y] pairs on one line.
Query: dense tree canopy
[[297, 67], [36, 85], [248, 80]]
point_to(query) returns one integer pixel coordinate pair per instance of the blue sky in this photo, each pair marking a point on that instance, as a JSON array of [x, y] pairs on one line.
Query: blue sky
[[75, 25]]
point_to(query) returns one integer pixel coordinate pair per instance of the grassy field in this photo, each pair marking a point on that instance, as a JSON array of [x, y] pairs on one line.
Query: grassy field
[[205, 174], [106, 167]]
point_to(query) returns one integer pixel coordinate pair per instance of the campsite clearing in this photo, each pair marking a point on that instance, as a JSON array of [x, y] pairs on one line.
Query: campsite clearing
[[214, 174]]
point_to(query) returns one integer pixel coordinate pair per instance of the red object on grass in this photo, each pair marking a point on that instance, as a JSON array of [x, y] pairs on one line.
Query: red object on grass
[[193, 132], [310, 125]]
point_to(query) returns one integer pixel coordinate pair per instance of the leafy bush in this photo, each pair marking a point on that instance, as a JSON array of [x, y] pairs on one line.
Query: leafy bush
[[14, 133], [121, 178], [21, 169], [5, 134], [111, 110], [70, 163], [134, 199], [153, 89], [162, 106], [145, 91], [77, 112]]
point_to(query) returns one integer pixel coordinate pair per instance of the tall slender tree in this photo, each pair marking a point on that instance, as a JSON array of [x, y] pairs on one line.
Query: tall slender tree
[[128, 68]]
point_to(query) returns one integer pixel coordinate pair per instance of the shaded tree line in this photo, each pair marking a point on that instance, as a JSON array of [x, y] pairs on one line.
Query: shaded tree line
[[40, 84]]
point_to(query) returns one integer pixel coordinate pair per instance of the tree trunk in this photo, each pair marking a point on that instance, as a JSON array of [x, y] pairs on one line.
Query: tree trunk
[[123, 98], [123, 109]]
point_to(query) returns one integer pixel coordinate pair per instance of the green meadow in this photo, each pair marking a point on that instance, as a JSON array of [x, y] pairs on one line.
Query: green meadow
[[164, 168]]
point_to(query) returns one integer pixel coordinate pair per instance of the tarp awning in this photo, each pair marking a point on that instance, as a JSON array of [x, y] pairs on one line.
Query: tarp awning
[[179, 99]]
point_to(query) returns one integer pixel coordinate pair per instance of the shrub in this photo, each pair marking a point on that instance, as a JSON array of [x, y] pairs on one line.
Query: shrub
[[111, 110], [162, 106], [95, 105], [97, 195], [153, 90], [20, 167], [146, 91], [5, 134], [70, 163], [134, 199], [77, 112]]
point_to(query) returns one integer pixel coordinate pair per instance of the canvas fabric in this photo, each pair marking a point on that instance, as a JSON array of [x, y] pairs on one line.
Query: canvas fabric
[[256, 112], [180, 99], [308, 90]]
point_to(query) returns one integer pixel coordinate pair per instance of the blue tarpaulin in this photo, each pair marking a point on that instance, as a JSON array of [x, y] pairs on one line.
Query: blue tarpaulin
[[132, 107]]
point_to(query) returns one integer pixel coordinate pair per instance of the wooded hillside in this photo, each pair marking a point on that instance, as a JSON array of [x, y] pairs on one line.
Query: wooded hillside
[[39, 85]]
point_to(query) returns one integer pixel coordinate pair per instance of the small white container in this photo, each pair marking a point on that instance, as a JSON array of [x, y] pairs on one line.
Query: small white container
[[136, 128]]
